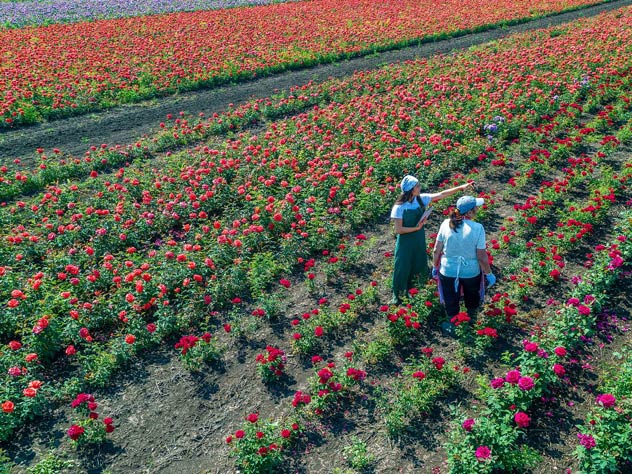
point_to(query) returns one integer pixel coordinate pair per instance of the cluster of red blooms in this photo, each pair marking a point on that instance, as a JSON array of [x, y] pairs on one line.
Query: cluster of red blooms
[[188, 342], [273, 360], [76, 431]]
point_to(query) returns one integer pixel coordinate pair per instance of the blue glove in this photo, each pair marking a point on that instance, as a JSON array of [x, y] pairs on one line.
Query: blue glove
[[491, 279], [435, 273]]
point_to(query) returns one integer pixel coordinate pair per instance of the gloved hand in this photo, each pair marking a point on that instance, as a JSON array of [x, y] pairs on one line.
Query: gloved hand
[[491, 279], [435, 273]]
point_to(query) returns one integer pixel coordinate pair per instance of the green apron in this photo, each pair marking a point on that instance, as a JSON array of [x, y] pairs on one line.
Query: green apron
[[411, 260]]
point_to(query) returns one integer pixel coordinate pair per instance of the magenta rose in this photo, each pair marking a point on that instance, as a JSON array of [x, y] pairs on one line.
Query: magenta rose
[[482, 453], [586, 441], [560, 351], [607, 400], [468, 424], [522, 419], [525, 383], [512, 376], [497, 383], [75, 431], [530, 346]]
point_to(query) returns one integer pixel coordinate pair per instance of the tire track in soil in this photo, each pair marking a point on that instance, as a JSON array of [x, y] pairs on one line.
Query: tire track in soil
[[126, 124]]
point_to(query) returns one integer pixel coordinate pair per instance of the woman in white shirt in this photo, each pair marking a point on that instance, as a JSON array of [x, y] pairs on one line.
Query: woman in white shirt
[[458, 258], [411, 260]]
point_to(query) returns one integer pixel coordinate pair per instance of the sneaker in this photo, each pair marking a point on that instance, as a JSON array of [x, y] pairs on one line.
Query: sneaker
[[448, 328], [395, 301]]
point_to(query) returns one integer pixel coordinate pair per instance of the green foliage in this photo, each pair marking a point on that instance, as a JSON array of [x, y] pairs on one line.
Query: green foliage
[[52, 463], [416, 391], [606, 436], [357, 455], [5, 463], [377, 350], [98, 367], [264, 267]]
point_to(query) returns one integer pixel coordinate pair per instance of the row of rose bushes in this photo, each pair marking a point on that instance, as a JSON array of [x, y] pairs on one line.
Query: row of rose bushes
[[478, 444], [402, 326], [92, 266], [492, 440], [61, 70], [411, 397], [544, 117], [605, 439], [587, 169]]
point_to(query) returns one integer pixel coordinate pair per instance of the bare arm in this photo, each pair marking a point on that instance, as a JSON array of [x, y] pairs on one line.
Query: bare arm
[[400, 229], [483, 261], [436, 254], [449, 192]]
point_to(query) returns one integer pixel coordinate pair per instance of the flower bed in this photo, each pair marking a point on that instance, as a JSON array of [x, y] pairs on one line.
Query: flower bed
[[62, 70], [99, 270]]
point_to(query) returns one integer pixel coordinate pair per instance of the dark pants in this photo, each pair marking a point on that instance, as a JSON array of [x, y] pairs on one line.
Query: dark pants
[[471, 288]]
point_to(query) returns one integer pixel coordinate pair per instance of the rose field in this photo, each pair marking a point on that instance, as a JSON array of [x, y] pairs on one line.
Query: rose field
[[211, 297], [58, 70]]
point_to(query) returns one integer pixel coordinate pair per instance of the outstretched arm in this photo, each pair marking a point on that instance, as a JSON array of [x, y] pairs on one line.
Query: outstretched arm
[[449, 192]]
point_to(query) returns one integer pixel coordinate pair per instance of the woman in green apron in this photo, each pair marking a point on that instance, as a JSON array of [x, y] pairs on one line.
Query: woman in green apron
[[411, 259]]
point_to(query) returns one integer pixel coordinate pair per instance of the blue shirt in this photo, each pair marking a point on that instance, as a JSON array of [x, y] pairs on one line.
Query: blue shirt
[[459, 249]]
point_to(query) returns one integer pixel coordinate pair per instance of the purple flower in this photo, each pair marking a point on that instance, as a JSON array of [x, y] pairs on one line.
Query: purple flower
[[497, 383], [20, 14]]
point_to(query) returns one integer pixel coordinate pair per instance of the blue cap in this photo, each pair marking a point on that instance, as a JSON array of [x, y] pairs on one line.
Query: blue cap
[[408, 183], [467, 203]]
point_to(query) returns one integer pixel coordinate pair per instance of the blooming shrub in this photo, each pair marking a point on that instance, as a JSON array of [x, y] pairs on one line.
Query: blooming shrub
[[605, 439], [88, 428], [259, 445], [197, 352], [271, 363]]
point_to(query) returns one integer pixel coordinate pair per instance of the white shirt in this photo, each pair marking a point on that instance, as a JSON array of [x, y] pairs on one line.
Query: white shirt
[[459, 249], [398, 209]]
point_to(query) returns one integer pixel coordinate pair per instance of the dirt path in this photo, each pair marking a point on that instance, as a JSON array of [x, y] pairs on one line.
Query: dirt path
[[126, 124]]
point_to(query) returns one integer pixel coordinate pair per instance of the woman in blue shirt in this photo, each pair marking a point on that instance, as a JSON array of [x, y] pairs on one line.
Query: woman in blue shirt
[[458, 258]]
